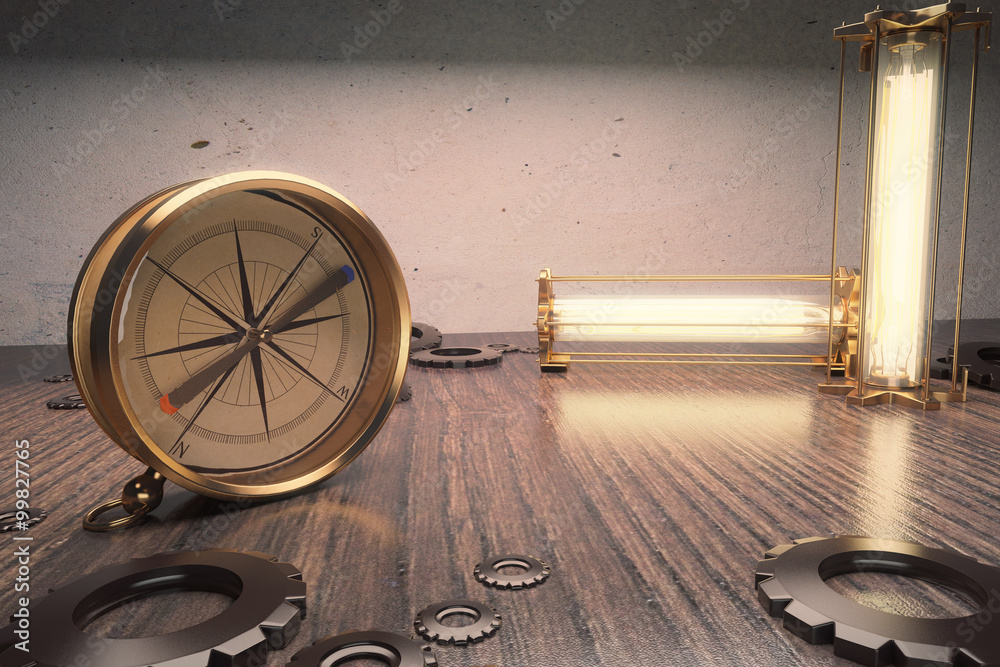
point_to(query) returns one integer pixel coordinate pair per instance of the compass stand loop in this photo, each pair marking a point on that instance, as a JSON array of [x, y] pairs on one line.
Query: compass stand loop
[[140, 496]]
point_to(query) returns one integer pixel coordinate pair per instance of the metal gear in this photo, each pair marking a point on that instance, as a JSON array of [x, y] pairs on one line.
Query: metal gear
[[9, 521], [268, 603], [395, 650], [423, 337], [790, 583], [981, 358], [504, 347], [428, 622], [530, 350], [456, 357], [71, 402], [488, 572], [405, 393], [58, 378]]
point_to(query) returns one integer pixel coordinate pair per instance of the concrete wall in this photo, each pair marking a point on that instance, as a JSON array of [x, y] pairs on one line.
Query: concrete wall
[[487, 140]]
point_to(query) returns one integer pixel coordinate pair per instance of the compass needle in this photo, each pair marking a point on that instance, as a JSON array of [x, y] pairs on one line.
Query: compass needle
[[241, 305]]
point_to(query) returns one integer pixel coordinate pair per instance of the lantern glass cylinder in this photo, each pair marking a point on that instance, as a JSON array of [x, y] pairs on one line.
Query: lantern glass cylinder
[[902, 206]]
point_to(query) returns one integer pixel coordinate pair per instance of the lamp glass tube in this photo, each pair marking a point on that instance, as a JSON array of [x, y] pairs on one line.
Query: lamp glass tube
[[902, 207], [701, 319]]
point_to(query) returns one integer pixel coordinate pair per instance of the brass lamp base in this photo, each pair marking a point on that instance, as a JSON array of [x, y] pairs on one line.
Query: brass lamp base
[[911, 397]]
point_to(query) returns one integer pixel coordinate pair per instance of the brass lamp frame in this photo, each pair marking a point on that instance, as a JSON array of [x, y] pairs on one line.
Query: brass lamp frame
[[946, 19], [844, 285]]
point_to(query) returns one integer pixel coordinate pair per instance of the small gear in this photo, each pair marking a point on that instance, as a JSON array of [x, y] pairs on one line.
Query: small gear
[[790, 583], [58, 378], [428, 622], [530, 350], [488, 572], [405, 393], [9, 521], [423, 337], [394, 649], [268, 603], [504, 347], [456, 357], [71, 402]]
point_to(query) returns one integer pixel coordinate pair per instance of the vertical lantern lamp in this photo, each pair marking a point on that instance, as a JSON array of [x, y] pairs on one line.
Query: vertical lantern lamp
[[907, 54]]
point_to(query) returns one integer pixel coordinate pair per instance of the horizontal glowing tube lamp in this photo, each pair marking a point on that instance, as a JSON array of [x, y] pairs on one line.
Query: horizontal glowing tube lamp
[[631, 318], [907, 54]]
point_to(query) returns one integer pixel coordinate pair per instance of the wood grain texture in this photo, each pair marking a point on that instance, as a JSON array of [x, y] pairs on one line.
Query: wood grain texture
[[651, 492]]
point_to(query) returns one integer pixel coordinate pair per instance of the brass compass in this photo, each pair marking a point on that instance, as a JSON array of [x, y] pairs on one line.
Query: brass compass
[[243, 336]]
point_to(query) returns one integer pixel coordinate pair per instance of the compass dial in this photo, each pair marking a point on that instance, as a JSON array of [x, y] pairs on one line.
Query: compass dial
[[244, 335]]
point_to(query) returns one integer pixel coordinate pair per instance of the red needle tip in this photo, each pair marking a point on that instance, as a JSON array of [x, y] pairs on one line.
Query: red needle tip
[[165, 405]]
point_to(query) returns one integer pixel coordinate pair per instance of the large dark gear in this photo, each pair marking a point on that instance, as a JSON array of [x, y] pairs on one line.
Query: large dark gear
[[791, 584], [456, 357], [982, 359], [395, 650], [423, 337], [268, 603], [428, 623], [488, 572]]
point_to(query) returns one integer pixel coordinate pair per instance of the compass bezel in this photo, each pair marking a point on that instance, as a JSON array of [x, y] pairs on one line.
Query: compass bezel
[[96, 311]]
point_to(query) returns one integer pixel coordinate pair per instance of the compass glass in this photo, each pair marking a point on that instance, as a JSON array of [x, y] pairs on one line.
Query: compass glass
[[208, 290]]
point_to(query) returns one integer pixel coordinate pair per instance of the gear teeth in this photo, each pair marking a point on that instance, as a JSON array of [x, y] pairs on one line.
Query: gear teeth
[[778, 550], [242, 650], [289, 570], [429, 659], [924, 655], [808, 624], [765, 570], [863, 647], [773, 596], [282, 625]]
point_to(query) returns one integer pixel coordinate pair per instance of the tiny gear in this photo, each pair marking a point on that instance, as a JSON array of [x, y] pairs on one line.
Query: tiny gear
[[504, 347], [9, 522], [456, 357], [395, 650], [423, 337], [71, 402], [405, 393], [58, 378], [268, 603], [488, 572], [429, 626], [530, 350], [791, 583]]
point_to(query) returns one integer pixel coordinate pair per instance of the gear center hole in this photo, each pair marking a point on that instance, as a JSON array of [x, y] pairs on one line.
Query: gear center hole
[[512, 568], [903, 595], [166, 612], [457, 617]]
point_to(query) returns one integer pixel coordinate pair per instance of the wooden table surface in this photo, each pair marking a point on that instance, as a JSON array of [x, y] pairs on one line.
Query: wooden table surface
[[650, 491]]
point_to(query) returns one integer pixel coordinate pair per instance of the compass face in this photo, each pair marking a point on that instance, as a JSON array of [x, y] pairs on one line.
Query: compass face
[[257, 337]]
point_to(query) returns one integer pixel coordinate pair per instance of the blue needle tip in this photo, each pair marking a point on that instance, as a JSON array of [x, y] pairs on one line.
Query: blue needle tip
[[349, 272]]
